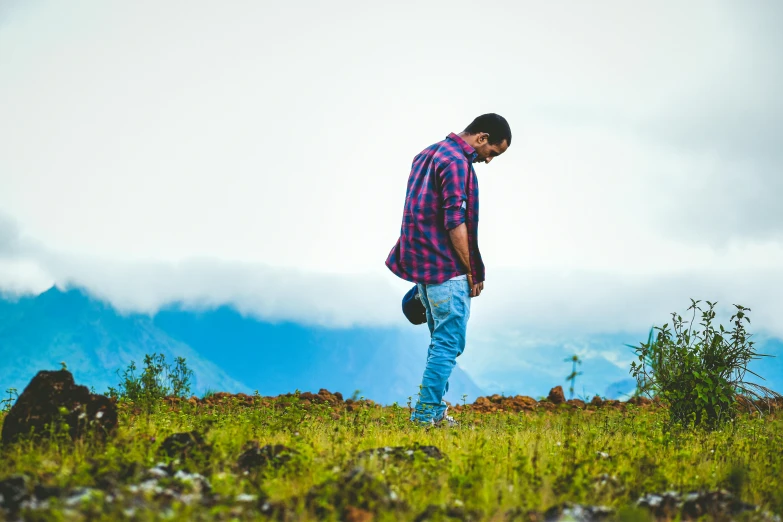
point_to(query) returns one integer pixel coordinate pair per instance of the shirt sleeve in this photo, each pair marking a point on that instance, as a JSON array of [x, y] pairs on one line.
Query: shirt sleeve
[[452, 183]]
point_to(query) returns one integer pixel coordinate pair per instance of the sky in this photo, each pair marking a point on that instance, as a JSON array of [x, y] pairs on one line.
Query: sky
[[256, 153]]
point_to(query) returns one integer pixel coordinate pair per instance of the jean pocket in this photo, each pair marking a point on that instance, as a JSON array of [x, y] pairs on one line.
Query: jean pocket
[[440, 299]]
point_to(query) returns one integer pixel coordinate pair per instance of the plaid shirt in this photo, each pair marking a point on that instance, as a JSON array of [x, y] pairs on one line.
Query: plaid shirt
[[436, 201]]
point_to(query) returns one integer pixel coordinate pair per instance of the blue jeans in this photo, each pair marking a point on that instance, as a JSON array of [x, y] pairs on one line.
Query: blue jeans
[[448, 310]]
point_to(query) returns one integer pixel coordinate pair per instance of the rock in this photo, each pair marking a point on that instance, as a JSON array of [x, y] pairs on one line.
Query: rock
[[597, 401], [271, 455], [401, 452], [605, 480], [354, 514], [556, 395], [694, 505], [322, 397], [42, 492], [578, 403], [78, 496], [639, 401], [434, 512], [501, 403], [522, 515], [183, 446], [52, 397], [481, 401], [356, 489], [13, 491], [577, 513]]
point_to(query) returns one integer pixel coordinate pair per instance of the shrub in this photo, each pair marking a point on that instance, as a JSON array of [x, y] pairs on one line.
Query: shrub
[[158, 379], [699, 373], [5, 404]]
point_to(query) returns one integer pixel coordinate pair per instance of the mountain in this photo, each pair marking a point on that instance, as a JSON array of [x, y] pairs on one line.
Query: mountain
[[231, 352], [533, 368], [383, 364], [621, 389], [94, 341], [226, 351]]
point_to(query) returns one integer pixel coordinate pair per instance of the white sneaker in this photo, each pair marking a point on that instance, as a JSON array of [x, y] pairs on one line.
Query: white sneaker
[[446, 420]]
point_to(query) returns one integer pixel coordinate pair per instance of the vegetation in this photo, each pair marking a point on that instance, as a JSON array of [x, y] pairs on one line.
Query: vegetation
[[158, 379], [318, 457], [495, 465], [700, 373], [574, 360]]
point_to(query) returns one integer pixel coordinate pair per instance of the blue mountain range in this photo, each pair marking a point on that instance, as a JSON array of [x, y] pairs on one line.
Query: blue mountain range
[[231, 352], [226, 351]]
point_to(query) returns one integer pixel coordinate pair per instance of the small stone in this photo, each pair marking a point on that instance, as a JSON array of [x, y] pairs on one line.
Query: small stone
[[401, 452], [556, 395], [13, 491], [271, 455], [185, 445]]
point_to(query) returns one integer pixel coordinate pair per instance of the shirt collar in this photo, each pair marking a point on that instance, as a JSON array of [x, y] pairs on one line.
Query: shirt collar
[[469, 151]]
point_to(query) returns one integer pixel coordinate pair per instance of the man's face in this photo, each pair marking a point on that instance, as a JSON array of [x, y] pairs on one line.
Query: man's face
[[485, 151]]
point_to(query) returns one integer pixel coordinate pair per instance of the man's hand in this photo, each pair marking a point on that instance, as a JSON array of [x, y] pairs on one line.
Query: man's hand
[[475, 289], [459, 238]]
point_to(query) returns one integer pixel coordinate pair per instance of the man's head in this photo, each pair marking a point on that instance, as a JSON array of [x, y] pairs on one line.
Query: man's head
[[489, 134]]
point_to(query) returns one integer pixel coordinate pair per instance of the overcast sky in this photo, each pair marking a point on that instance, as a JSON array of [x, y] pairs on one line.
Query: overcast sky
[[256, 153]]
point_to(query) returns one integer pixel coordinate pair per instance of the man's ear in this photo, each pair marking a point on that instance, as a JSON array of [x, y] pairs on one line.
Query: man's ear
[[482, 138]]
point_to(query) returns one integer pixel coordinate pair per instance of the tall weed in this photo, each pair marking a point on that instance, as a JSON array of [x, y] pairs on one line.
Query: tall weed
[[157, 379], [700, 373]]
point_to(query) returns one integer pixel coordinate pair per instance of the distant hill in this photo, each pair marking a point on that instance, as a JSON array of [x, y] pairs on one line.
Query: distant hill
[[94, 341], [621, 389], [384, 364], [605, 369], [228, 352]]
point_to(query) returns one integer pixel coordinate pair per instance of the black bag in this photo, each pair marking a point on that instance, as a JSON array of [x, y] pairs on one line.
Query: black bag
[[412, 306]]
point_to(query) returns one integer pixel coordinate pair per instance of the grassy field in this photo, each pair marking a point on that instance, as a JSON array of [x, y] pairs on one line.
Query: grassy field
[[495, 466]]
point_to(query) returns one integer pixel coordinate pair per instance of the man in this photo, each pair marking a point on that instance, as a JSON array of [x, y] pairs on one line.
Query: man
[[438, 248]]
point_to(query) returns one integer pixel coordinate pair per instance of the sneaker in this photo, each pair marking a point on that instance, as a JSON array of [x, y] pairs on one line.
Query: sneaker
[[447, 421]]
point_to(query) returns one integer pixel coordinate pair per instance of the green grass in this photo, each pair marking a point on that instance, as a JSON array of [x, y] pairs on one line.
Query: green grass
[[495, 462]]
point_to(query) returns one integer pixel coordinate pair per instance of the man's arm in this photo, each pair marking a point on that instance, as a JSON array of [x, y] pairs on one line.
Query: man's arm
[[459, 238]]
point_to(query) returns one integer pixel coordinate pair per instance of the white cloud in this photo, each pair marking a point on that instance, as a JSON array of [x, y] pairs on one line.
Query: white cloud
[[257, 154]]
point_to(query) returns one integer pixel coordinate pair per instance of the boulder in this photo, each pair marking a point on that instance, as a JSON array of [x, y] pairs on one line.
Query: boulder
[[184, 446], [355, 489], [13, 491], [556, 395], [639, 401], [260, 457], [401, 452], [52, 398]]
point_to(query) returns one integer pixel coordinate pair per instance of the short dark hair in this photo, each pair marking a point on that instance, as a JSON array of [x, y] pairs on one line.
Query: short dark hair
[[493, 124]]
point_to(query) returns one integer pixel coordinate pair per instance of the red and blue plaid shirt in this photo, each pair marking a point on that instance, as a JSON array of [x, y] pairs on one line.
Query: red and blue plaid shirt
[[442, 194]]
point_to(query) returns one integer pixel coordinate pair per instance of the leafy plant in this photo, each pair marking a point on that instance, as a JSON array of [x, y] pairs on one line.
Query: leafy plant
[[158, 379], [574, 359], [700, 373], [8, 402]]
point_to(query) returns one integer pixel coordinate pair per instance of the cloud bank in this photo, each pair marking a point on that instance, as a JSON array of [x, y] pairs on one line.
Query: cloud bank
[[257, 155]]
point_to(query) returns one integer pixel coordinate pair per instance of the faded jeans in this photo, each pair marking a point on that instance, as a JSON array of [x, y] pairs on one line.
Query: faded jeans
[[448, 310]]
